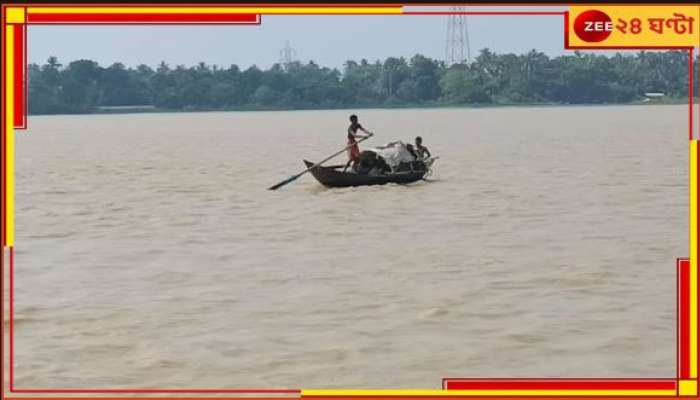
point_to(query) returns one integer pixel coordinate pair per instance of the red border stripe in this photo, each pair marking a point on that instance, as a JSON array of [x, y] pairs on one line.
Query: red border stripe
[[560, 385], [566, 30], [162, 18], [684, 320], [19, 76]]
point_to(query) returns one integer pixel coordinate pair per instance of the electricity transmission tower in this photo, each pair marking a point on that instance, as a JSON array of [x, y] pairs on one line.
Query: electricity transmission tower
[[457, 49], [287, 54]]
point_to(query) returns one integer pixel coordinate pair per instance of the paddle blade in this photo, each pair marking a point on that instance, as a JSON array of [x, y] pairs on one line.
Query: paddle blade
[[284, 182]]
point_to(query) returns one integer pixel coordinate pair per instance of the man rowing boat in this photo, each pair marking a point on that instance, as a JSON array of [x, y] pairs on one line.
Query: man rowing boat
[[354, 149]]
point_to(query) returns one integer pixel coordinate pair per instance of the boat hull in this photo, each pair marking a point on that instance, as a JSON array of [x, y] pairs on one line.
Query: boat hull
[[332, 177]]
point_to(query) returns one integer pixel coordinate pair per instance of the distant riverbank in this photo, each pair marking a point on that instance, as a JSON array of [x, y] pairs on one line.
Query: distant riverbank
[[251, 108], [491, 80]]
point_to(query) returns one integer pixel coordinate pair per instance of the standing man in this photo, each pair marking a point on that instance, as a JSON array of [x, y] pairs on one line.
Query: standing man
[[354, 149]]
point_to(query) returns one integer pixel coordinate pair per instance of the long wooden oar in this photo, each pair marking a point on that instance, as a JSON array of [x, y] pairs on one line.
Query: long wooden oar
[[294, 177]]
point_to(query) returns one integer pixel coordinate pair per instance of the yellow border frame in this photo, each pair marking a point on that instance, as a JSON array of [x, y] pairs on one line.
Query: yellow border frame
[[18, 15]]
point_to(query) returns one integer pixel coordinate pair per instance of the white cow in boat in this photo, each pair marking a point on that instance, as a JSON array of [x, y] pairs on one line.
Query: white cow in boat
[[395, 153], [391, 158]]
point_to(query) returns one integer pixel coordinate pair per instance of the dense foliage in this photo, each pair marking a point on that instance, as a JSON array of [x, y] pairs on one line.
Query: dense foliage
[[83, 86]]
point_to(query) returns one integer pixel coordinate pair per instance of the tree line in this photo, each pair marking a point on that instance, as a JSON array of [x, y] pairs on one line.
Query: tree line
[[83, 86]]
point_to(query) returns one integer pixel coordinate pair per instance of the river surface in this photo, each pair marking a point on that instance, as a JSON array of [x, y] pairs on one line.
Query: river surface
[[150, 254]]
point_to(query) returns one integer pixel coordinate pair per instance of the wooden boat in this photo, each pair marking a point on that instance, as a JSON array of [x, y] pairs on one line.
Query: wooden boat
[[333, 176]]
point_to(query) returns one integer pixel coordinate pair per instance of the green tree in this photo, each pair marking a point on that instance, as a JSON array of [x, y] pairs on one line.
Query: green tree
[[533, 77], [80, 85]]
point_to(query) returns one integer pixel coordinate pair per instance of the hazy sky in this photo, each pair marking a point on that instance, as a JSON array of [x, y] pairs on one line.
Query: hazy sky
[[327, 40]]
